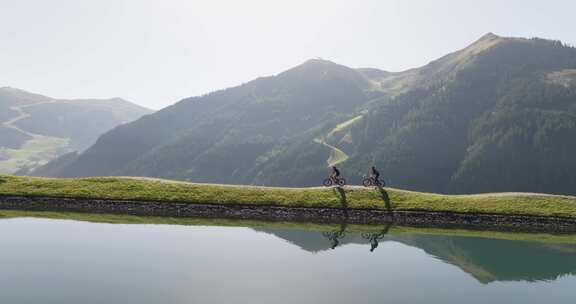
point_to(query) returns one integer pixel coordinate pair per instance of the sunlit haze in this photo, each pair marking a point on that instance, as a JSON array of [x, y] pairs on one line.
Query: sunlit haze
[[157, 52]]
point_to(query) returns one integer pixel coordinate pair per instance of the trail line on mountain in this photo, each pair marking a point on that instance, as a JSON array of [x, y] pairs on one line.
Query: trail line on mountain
[[37, 150], [337, 156], [22, 115]]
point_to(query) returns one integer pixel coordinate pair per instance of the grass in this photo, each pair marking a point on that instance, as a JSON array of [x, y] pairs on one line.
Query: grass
[[35, 152], [337, 156], [345, 125], [127, 188], [565, 78]]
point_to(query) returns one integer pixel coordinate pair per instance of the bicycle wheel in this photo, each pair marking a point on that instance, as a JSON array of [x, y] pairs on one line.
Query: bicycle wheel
[[341, 182], [367, 182], [327, 182]]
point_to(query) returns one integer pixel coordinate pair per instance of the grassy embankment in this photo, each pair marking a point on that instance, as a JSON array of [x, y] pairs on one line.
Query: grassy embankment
[[351, 197]]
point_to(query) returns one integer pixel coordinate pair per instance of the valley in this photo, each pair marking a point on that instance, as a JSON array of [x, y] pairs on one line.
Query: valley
[[37, 151], [38, 129]]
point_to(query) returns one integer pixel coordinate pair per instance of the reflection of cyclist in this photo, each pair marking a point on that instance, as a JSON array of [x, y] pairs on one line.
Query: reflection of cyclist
[[375, 237], [373, 243], [335, 236], [335, 242]]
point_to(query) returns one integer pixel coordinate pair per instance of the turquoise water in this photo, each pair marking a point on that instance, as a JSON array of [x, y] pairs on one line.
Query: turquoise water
[[57, 261]]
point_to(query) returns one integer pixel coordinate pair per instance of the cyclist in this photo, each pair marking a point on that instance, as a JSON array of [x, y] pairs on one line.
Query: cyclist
[[335, 173], [375, 174]]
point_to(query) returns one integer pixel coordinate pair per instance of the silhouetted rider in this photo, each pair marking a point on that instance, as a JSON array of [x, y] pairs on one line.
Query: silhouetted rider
[[375, 174], [335, 173]]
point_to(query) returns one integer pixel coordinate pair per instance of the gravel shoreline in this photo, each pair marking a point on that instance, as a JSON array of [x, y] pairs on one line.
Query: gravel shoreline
[[275, 213]]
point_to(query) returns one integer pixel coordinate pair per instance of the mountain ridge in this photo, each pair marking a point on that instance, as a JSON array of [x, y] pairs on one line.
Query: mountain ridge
[[37, 128], [429, 128]]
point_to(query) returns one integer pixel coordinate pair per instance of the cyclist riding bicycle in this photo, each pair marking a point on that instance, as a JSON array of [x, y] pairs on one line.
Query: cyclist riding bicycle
[[335, 173], [375, 174], [335, 179], [373, 179]]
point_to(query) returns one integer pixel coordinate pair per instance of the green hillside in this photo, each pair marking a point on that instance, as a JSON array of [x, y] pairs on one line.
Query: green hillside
[[497, 116], [36, 129]]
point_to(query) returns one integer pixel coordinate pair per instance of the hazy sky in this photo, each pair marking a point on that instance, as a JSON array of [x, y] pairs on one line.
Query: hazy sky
[[155, 52]]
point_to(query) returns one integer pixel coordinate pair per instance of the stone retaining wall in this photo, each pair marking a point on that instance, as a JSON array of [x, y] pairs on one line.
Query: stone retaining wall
[[324, 215]]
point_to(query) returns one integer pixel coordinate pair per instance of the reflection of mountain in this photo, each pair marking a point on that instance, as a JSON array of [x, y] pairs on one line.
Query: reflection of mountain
[[312, 241], [487, 260], [308, 241], [490, 260]]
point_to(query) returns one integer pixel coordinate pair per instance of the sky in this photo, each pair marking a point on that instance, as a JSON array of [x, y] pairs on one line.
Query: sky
[[156, 52]]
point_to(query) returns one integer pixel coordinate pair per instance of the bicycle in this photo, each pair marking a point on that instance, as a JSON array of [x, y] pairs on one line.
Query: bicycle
[[370, 181], [374, 238], [334, 181], [334, 237]]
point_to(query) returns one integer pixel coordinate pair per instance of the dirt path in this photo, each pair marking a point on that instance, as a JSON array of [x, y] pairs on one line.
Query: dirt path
[[337, 156], [22, 115], [37, 150]]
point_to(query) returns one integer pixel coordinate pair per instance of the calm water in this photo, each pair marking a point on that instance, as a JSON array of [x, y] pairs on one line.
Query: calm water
[[56, 261]]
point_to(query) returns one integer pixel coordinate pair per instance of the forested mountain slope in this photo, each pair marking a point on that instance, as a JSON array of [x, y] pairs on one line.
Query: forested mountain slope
[[499, 115]]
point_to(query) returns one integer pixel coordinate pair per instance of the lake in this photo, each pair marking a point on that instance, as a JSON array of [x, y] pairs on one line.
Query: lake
[[66, 261]]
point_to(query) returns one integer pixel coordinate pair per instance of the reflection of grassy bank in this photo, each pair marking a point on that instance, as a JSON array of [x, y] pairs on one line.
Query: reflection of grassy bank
[[356, 197], [350, 228]]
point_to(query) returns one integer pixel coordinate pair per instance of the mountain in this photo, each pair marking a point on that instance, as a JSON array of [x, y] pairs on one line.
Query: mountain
[[498, 115], [231, 135], [35, 129]]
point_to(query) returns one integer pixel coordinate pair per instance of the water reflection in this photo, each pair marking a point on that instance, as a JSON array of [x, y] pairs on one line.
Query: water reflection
[[335, 236], [485, 259], [373, 238], [201, 261], [489, 260]]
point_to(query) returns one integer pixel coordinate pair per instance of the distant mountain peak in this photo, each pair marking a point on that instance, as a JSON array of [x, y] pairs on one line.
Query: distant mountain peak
[[489, 36], [12, 90], [461, 57], [486, 41], [318, 67], [318, 60], [19, 96], [316, 64]]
